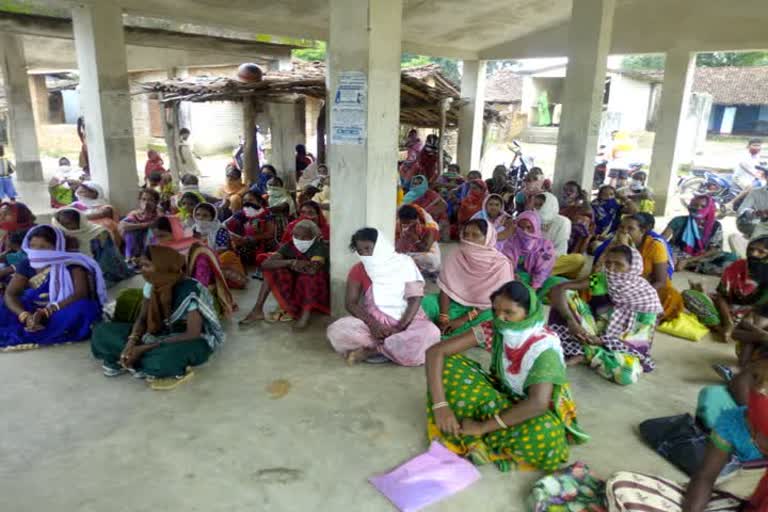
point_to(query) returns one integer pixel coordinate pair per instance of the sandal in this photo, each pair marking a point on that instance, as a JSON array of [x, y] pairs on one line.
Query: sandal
[[285, 317], [167, 384], [273, 317]]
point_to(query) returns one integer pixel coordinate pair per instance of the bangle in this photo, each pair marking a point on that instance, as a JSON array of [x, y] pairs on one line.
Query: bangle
[[443, 316], [439, 405], [472, 315], [55, 306], [500, 421]]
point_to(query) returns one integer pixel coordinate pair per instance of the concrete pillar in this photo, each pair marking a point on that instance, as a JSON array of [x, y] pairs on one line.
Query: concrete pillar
[[364, 46], [106, 100], [286, 126], [679, 67], [38, 91], [589, 41], [471, 115], [21, 118]]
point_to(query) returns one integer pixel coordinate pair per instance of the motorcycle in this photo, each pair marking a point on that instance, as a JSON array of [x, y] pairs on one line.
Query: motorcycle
[[721, 187], [519, 167]]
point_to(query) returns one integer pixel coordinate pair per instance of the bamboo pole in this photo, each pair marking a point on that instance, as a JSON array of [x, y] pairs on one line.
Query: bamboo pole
[[444, 105], [250, 168], [170, 134]]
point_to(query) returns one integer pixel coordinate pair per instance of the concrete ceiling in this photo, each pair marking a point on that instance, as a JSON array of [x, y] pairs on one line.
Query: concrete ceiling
[[492, 29]]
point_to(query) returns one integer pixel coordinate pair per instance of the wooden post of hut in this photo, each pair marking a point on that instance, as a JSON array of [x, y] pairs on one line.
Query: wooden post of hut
[[170, 134], [444, 105], [250, 152]]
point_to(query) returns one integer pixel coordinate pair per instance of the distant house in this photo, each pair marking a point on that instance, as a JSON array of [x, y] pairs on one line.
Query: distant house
[[631, 97], [739, 98]]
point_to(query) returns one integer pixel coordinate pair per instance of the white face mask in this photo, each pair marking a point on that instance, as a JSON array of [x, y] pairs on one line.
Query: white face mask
[[250, 211], [303, 245], [205, 226]]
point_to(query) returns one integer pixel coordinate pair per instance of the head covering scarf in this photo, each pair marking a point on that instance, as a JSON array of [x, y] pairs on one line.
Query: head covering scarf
[[98, 201], [179, 241], [84, 234], [210, 228], [310, 176], [169, 270], [473, 203], [278, 196], [416, 192], [67, 172], [537, 252], [468, 271], [406, 244], [695, 240], [656, 236], [499, 221], [630, 293], [517, 345], [389, 272], [550, 209], [58, 259], [607, 216]]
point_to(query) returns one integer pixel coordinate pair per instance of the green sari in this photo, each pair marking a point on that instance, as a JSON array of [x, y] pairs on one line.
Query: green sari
[[431, 306], [537, 443], [167, 360]]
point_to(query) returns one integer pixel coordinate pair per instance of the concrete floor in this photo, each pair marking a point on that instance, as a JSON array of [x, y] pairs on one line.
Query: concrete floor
[[278, 422]]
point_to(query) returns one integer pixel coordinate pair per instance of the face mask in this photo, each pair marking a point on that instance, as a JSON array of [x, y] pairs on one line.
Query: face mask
[[636, 185], [205, 226], [303, 245], [250, 211]]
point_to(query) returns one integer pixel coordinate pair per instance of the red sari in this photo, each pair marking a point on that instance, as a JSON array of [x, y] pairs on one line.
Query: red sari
[[296, 292], [322, 223], [434, 204], [473, 203]]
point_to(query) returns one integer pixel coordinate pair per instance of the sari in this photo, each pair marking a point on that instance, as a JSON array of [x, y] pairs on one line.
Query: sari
[[465, 278], [407, 241], [171, 297], [523, 354], [96, 242], [388, 280], [216, 237], [321, 221], [255, 233], [21, 218], [656, 251], [234, 191], [473, 202], [203, 264], [500, 222], [607, 216], [296, 292], [279, 196], [62, 194], [154, 163], [434, 205], [532, 255], [99, 211], [622, 312], [50, 282], [744, 284]]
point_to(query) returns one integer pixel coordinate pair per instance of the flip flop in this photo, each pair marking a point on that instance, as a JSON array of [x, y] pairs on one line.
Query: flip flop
[[724, 372], [249, 323], [285, 317], [273, 317], [171, 382], [377, 359]]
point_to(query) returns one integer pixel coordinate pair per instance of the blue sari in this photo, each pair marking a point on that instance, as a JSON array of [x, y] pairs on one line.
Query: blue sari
[[71, 323]]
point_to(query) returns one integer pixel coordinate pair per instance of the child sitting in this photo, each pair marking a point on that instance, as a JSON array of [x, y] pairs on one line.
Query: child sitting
[[11, 257]]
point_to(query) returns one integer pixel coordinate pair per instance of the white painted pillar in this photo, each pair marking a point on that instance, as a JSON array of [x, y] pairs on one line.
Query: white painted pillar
[[21, 119], [365, 37], [679, 67], [471, 115], [106, 101], [286, 126], [589, 41]]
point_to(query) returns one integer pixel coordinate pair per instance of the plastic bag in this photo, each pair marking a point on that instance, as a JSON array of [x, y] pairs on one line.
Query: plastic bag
[[426, 479], [685, 326]]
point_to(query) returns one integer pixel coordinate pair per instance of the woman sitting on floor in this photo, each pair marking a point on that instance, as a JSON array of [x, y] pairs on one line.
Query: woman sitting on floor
[[309, 211], [95, 242], [233, 189], [473, 202], [281, 205], [135, 226], [421, 195], [13, 217], [522, 413], [53, 297], [215, 236], [297, 276], [607, 213], [742, 287], [90, 200], [252, 229], [575, 207], [176, 328], [266, 174], [417, 235], [533, 185], [65, 181], [202, 262], [557, 229], [493, 213], [697, 239], [187, 204], [612, 333], [384, 293], [532, 255], [637, 231], [467, 272]]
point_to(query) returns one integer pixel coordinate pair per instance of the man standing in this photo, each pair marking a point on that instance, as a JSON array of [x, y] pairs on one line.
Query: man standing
[[746, 174]]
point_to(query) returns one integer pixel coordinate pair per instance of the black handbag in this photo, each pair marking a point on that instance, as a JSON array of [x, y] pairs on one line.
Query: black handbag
[[679, 439]]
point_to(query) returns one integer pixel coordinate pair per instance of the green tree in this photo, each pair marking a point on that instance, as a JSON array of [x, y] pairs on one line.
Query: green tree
[[643, 62], [311, 54], [741, 59]]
